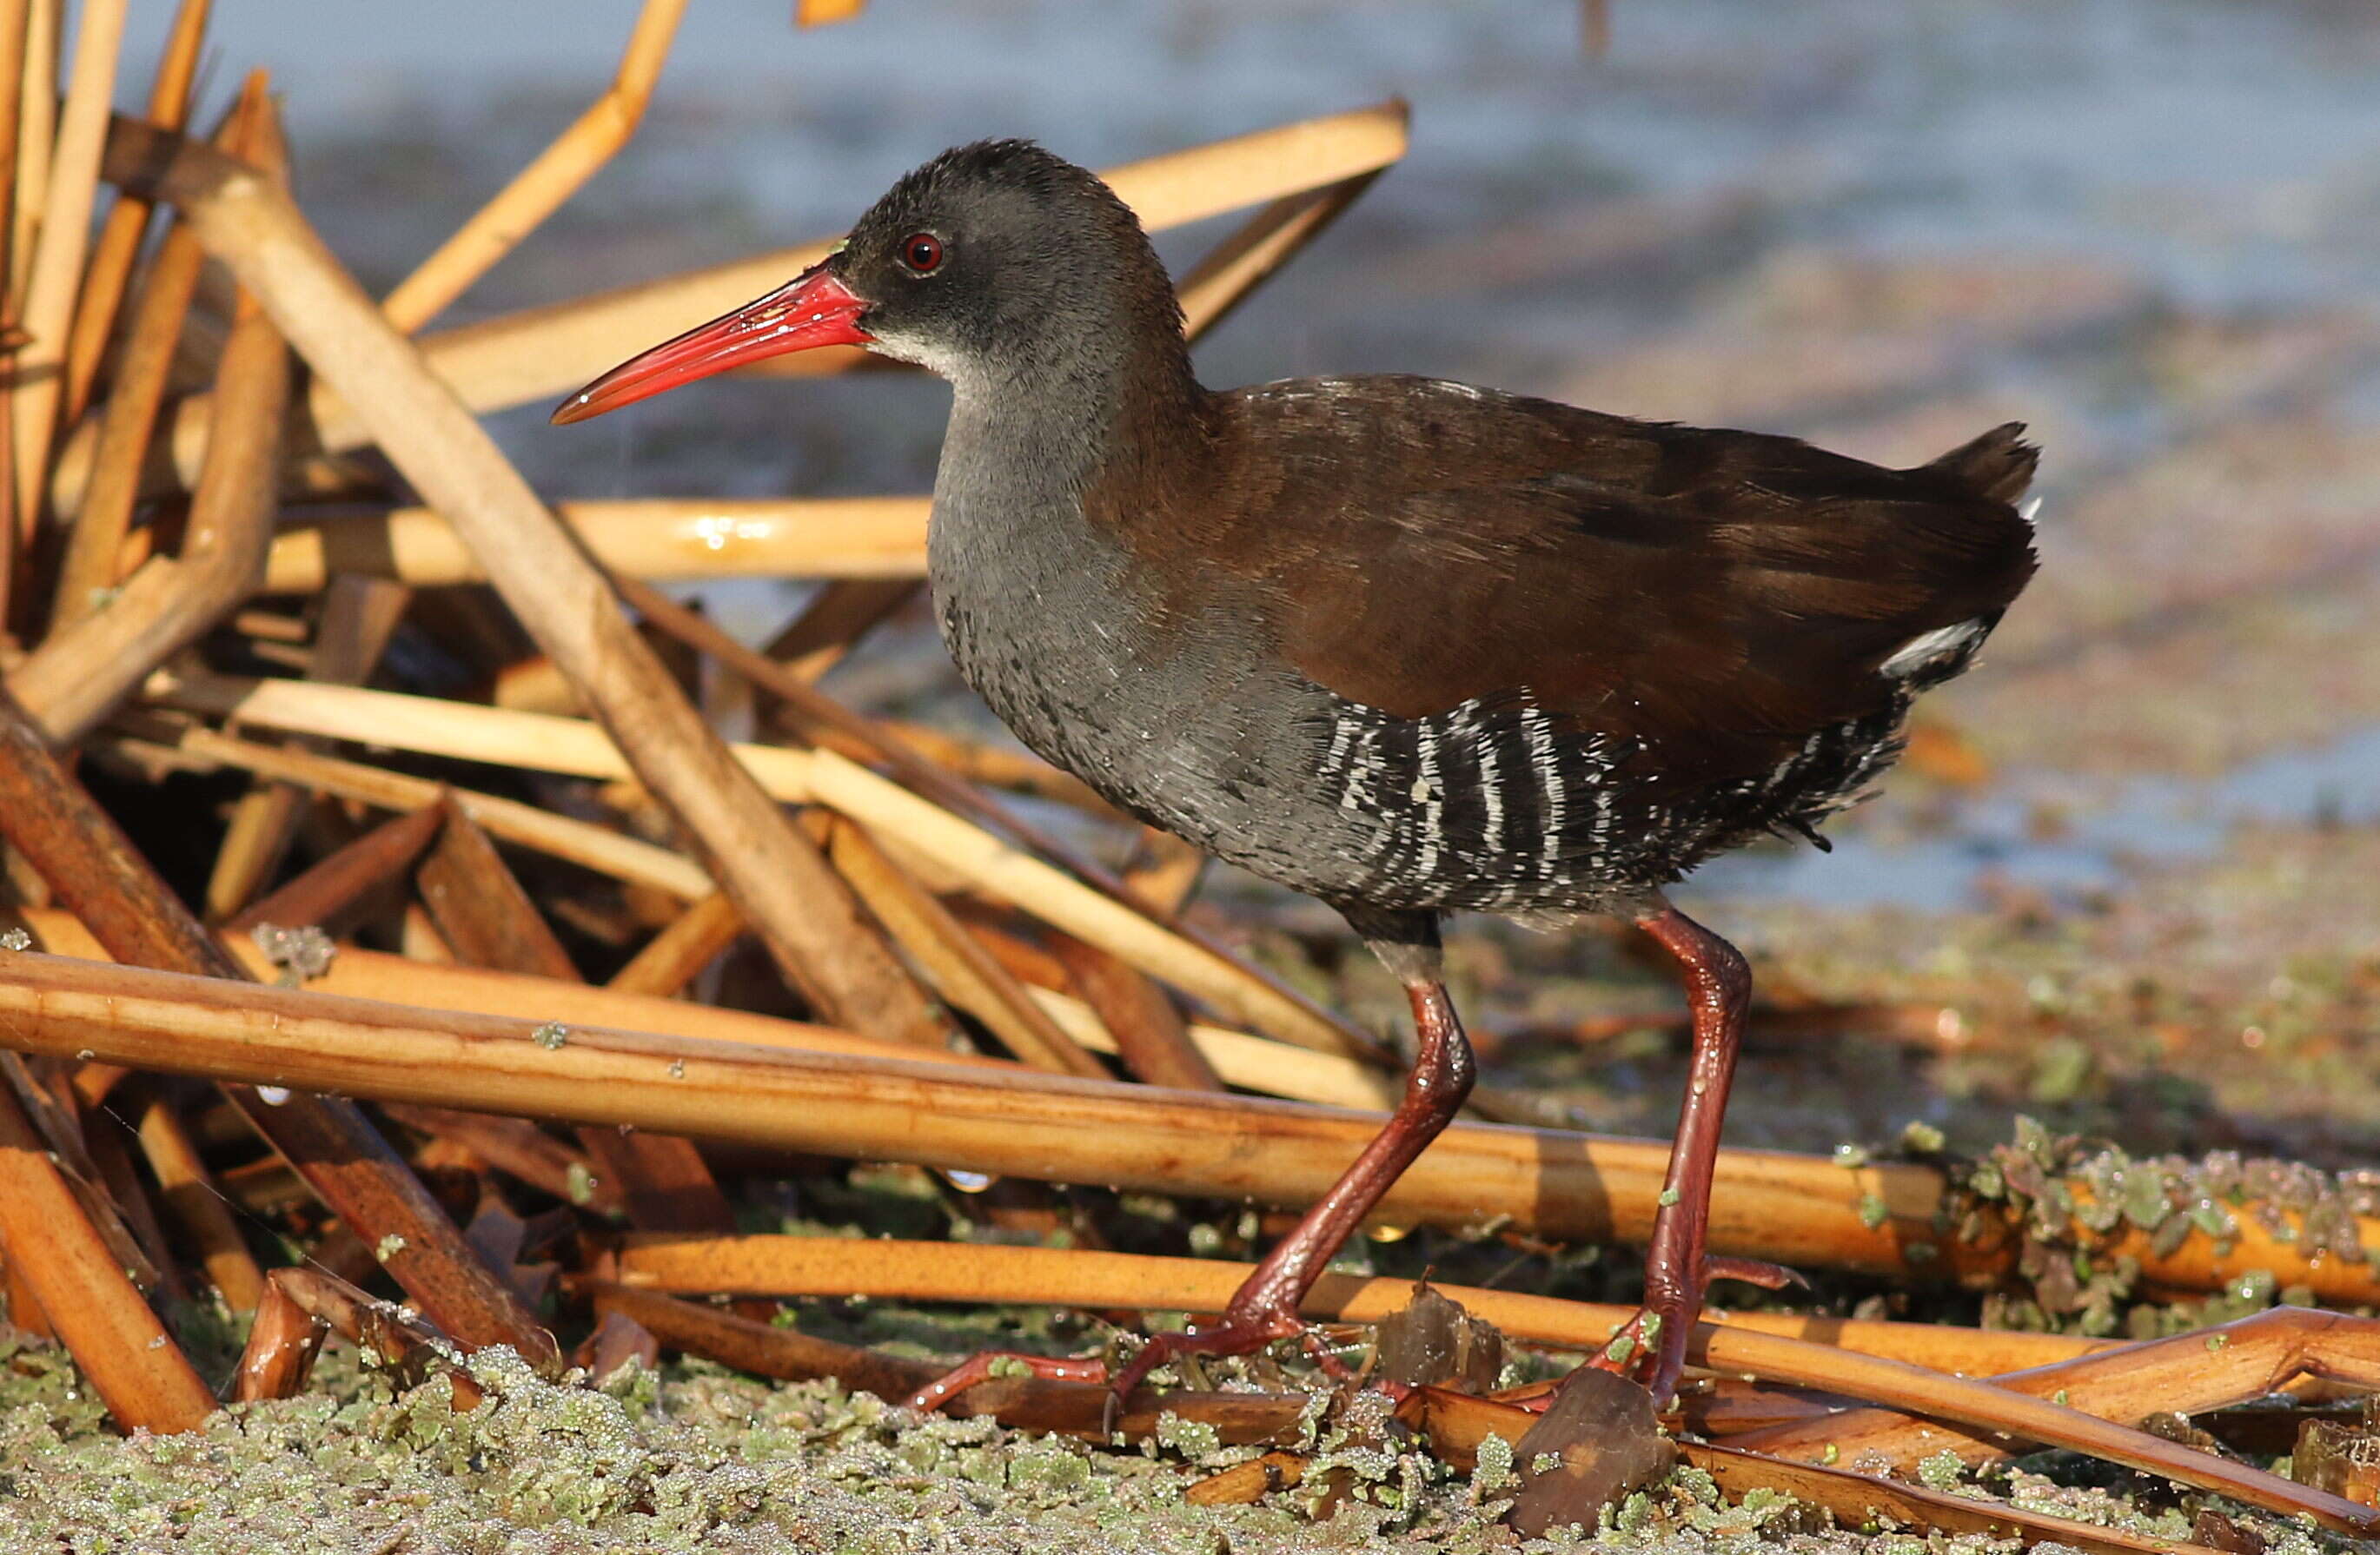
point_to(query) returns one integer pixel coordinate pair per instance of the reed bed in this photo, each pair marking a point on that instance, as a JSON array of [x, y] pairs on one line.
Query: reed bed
[[504, 1000]]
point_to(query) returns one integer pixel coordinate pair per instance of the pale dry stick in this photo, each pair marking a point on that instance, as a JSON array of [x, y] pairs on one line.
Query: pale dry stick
[[961, 970], [540, 189], [789, 895], [360, 615], [994, 766], [677, 954], [910, 826], [56, 272], [582, 843], [1802, 1210], [2183, 1374], [671, 538], [118, 248], [549, 352], [15, 19], [96, 539], [60, 1258], [190, 1193], [37, 127], [996, 1274], [1224, 277], [844, 611]]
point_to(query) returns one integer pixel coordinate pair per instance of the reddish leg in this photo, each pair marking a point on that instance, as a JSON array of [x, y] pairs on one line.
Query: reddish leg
[[1265, 1306], [1677, 1263]]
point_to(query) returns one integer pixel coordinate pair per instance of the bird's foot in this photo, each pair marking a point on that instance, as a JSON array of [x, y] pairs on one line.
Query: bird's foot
[[986, 1366], [1651, 1346], [1240, 1332]]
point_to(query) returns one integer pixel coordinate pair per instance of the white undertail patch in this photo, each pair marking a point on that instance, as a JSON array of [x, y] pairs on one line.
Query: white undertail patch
[[1931, 648]]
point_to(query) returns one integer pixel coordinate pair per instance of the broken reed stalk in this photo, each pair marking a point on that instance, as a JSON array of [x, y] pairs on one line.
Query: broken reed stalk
[[118, 248], [676, 955], [37, 107], [191, 1195], [358, 616], [322, 893], [75, 678], [57, 269], [673, 539], [961, 970], [2183, 1374], [796, 906], [597, 849], [991, 1272], [59, 1258], [99, 876], [15, 24], [549, 352], [911, 826], [487, 919], [538, 190]]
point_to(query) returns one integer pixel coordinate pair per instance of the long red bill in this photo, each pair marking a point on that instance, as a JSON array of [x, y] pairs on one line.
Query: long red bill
[[812, 309]]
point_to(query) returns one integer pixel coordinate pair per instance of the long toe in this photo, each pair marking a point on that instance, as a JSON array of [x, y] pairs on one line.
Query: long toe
[[986, 1365]]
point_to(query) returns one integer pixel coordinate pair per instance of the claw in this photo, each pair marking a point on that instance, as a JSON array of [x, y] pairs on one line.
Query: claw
[[1753, 1271]]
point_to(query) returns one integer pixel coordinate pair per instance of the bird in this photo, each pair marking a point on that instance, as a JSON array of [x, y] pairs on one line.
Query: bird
[[1410, 647]]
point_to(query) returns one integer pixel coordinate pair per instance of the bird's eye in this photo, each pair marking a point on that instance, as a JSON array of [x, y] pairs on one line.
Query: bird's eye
[[921, 251]]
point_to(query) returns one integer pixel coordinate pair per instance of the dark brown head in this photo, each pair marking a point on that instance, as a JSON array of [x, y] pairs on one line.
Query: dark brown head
[[993, 265]]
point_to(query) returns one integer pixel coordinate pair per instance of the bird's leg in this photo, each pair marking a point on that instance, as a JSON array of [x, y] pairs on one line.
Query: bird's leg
[[1677, 1263], [1265, 1306]]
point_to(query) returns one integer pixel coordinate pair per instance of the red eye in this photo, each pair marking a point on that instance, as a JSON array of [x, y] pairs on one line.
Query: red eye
[[921, 251]]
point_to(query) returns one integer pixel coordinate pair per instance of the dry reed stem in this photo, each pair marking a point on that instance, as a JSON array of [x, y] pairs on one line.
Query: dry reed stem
[[549, 352], [992, 766], [837, 616], [1801, 1211], [673, 539], [96, 539], [281, 1346], [987, 1272], [961, 970], [102, 880], [816, 715], [1222, 279], [489, 920], [191, 1196], [1249, 1063], [1150, 1035], [15, 22], [37, 108], [796, 906], [914, 826], [57, 271], [676, 955], [59, 1258], [112, 258], [2184, 1374], [540, 189], [358, 616], [339, 880], [95, 652], [582, 843], [519, 1147]]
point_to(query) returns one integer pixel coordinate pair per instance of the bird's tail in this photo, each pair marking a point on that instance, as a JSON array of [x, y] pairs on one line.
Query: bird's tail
[[1998, 465]]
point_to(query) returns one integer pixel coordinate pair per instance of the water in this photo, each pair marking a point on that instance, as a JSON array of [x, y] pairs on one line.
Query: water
[[1555, 213]]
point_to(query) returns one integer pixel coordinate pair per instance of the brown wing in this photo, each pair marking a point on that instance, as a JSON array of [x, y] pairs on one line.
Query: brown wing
[[1717, 595]]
